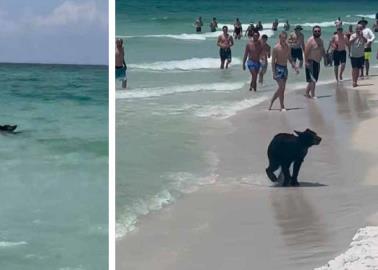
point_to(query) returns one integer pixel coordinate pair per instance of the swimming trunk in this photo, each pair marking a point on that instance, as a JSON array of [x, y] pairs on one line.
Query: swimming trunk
[[198, 29], [339, 57], [237, 30], [367, 53], [312, 72], [296, 53], [281, 72], [253, 65], [225, 54], [121, 73], [357, 62]]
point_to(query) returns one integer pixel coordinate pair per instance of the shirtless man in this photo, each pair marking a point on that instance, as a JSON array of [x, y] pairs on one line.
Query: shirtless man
[[120, 64], [253, 51], [296, 43], [338, 43], [213, 25], [314, 51], [225, 42], [259, 26], [198, 25], [281, 54], [338, 23], [275, 25], [264, 58], [238, 30], [250, 30]]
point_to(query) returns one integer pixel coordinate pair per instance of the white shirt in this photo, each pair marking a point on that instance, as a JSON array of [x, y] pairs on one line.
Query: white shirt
[[368, 34]]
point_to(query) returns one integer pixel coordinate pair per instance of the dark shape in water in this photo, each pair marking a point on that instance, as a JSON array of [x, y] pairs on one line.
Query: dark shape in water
[[8, 128]]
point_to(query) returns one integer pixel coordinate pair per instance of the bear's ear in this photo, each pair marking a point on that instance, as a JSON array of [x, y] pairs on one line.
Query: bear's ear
[[297, 132]]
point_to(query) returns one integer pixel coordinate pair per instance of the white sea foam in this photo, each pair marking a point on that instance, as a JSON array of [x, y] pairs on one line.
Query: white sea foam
[[184, 65], [362, 254], [224, 111], [181, 183], [368, 16], [323, 24], [161, 91], [6, 244]]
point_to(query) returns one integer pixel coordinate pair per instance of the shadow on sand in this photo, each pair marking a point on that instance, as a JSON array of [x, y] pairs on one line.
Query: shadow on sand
[[301, 184]]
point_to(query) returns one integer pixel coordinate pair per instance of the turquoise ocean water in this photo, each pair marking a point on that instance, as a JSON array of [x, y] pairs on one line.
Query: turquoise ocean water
[[53, 185], [176, 89]]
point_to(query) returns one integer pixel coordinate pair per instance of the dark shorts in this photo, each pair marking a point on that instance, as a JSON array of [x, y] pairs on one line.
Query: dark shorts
[[296, 53], [339, 57], [225, 54], [357, 62], [312, 72], [198, 29], [281, 72], [121, 73], [237, 30]]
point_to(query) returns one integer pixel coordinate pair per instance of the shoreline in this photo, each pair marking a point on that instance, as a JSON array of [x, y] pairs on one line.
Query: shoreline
[[350, 110]]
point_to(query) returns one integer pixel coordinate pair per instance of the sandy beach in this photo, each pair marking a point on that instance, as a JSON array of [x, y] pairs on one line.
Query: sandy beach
[[245, 222]]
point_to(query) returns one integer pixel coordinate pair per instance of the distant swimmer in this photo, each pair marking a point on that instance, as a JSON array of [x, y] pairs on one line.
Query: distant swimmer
[[238, 30], [259, 26], [338, 44], [250, 30], [296, 43], [225, 42], [264, 58], [213, 25], [314, 52], [275, 25], [253, 51], [357, 49], [287, 25], [120, 64], [281, 54], [369, 35], [338, 23], [198, 24]]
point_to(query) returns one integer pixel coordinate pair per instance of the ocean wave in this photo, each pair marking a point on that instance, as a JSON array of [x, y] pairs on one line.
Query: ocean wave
[[184, 65], [323, 24], [181, 183], [6, 244], [368, 16], [362, 253], [161, 91], [227, 110]]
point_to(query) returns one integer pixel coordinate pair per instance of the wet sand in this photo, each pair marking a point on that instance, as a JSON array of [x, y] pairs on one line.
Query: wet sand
[[245, 222]]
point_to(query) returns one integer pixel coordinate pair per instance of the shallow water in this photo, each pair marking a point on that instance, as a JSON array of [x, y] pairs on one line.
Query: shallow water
[[53, 188]]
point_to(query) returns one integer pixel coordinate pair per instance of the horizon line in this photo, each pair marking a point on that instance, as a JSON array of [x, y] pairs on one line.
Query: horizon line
[[47, 63]]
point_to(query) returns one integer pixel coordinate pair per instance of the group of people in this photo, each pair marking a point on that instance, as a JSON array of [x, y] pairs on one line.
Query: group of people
[[293, 49]]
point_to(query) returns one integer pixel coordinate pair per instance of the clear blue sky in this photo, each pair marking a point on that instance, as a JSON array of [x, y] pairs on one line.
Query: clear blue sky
[[54, 31]]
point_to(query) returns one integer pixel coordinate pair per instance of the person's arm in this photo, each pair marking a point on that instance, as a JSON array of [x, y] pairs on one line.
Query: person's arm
[[307, 52], [246, 52], [372, 37], [231, 41], [323, 50], [219, 41], [269, 49], [123, 53], [302, 43], [330, 43], [274, 62]]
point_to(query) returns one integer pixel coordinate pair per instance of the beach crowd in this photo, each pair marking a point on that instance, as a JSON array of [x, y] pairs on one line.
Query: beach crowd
[[356, 43]]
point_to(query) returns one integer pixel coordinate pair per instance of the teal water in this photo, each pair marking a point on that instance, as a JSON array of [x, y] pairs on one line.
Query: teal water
[[53, 187], [176, 90]]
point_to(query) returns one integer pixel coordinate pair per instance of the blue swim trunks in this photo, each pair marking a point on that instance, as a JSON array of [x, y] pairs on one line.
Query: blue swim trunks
[[281, 72], [252, 65], [121, 73]]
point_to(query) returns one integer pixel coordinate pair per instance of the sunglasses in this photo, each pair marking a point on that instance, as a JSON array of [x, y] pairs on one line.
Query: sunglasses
[[318, 31]]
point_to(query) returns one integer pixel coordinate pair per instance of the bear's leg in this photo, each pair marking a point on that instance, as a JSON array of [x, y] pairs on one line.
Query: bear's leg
[[273, 166], [286, 173], [296, 168]]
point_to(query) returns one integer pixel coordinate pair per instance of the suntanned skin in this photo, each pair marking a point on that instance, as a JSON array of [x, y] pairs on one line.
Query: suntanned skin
[[264, 59], [281, 54], [253, 51], [339, 42], [225, 41], [314, 50], [120, 58]]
